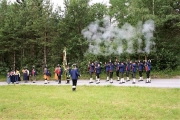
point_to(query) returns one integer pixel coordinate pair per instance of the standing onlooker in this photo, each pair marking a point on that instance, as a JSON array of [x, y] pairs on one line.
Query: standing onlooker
[[33, 74], [17, 76], [74, 75], [25, 76], [8, 77], [68, 74], [12, 76]]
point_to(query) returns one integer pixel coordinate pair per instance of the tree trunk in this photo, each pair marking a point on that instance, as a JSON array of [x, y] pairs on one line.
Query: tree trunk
[[14, 65], [45, 52]]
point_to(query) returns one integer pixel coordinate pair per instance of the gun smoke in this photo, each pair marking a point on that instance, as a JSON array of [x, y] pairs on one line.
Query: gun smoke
[[106, 39]]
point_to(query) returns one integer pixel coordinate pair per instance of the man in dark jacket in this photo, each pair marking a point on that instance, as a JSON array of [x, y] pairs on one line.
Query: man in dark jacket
[[134, 68], [74, 75], [98, 72]]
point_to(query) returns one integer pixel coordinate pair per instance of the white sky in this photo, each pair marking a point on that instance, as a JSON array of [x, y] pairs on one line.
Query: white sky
[[60, 2]]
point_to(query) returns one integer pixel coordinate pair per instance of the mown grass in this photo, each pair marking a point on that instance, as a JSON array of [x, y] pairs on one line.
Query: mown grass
[[88, 102]]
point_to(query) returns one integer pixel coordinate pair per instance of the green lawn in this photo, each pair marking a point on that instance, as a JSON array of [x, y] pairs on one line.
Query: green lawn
[[88, 102]]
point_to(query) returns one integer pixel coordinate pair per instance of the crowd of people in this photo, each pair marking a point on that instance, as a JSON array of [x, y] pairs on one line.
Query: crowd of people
[[95, 68], [14, 77], [120, 68]]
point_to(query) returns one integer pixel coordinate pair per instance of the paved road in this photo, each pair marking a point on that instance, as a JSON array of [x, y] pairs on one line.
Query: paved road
[[158, 83]]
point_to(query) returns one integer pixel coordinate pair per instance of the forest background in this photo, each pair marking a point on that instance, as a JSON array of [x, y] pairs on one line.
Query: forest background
[[32, 33]]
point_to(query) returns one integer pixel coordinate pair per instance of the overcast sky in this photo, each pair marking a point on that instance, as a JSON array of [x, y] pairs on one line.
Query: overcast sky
[[60, 2]]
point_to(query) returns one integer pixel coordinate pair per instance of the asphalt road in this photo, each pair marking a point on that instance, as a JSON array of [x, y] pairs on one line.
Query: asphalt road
[[157, 83]]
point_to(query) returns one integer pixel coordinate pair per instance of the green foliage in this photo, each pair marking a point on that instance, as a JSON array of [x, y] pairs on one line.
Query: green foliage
[[31, 33], [166, 60]]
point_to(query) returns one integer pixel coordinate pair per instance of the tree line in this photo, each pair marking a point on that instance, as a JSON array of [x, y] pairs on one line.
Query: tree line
[[33, 33]]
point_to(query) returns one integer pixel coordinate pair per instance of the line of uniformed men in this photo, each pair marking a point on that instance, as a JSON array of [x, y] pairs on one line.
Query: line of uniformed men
[[120, 68]]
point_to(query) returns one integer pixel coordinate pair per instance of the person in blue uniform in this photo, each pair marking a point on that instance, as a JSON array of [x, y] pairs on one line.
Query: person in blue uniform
[[111, 69], [121, 71], [148, 70], [98, 72], [140, 69], [134, 69], [117, 69], [106, 66], [91, 71], [96, 65], [74, 75], [128, 70]]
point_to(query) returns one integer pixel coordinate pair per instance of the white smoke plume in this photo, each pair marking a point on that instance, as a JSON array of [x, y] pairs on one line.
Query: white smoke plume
[[108, 39]]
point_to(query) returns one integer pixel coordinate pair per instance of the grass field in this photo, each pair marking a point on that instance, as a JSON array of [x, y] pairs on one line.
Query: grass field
[[88, 103]]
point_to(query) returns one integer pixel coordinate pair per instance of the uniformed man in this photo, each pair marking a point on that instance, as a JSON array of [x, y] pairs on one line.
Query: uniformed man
[[140, 69], [59, 72], [74, 75], [106, 66], [111, 70], [91, 71], [148, 70], [98, 72], [134, 68], [96, 65], [117, 69], [121, 71], [128, 70]]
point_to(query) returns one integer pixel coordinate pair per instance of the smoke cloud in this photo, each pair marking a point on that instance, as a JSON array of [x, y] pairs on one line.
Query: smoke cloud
[[108, 39]]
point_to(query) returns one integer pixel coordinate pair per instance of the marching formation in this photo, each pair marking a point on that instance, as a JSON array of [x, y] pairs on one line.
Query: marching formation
[[120, 68]]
